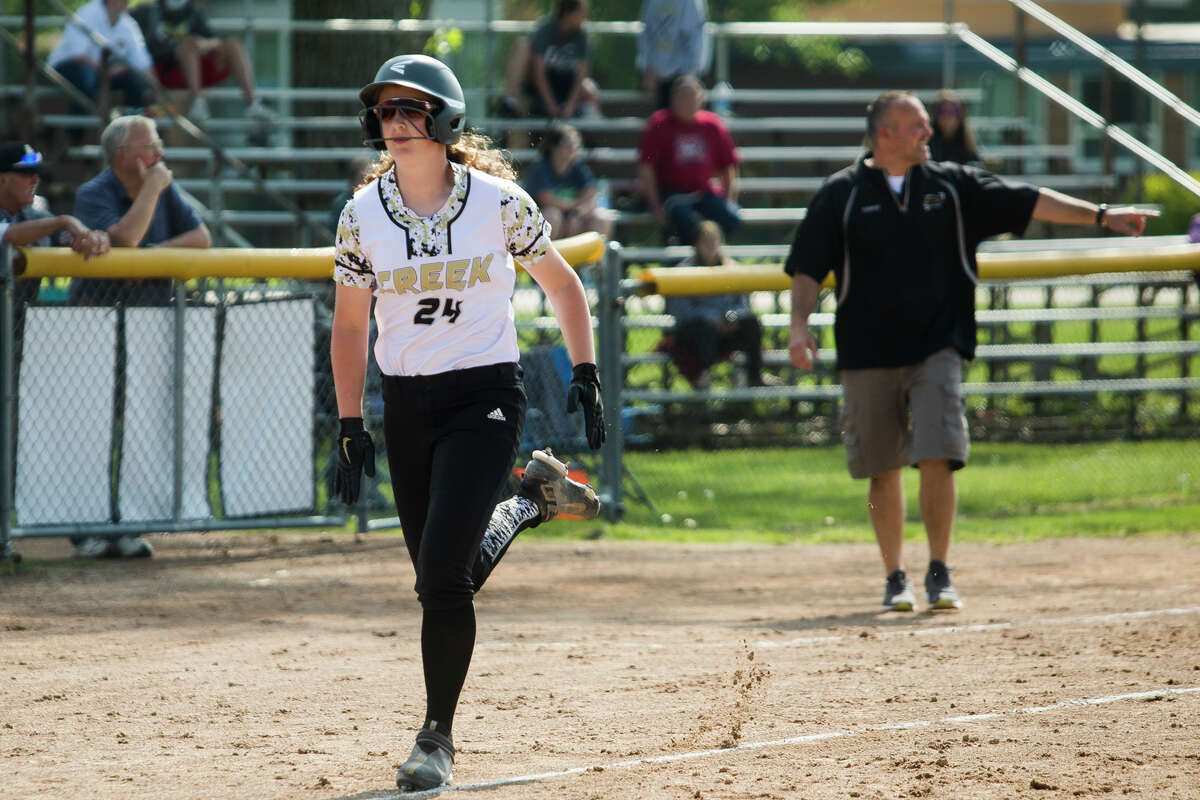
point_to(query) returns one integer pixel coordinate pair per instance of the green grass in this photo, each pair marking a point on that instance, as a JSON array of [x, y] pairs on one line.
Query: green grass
[[1008, 493]]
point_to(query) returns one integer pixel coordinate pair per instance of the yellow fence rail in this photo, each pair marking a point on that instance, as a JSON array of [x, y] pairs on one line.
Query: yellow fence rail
[[992, 266], [185, 263]]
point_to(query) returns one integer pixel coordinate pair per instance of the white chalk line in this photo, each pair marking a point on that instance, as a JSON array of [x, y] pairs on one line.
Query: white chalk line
[[1077, 703], [944, 630], [815, 640]]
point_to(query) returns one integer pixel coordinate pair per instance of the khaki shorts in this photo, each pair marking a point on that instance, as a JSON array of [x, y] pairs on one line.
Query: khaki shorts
[[904, 415]]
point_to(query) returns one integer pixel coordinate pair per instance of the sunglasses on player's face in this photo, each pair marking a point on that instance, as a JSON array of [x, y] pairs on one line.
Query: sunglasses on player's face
[[409, 107]]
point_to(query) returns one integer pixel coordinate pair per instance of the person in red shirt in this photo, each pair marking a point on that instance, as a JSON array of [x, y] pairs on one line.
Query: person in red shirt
[[687, 164]]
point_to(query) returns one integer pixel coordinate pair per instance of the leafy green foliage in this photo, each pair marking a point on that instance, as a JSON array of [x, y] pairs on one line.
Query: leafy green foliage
[[1178, 204]]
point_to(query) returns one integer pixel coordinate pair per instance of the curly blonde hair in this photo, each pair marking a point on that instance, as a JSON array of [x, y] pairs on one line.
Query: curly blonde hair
[[472, 150]]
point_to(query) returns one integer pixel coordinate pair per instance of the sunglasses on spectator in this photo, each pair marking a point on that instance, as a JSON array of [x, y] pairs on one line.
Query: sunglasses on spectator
[[949, 111], [389, 109]]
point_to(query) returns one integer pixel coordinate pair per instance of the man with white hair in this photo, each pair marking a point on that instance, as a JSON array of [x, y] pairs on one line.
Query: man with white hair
[[138, 205]]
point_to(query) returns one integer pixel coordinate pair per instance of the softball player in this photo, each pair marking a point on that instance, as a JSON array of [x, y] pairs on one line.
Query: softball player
[[433, 237]]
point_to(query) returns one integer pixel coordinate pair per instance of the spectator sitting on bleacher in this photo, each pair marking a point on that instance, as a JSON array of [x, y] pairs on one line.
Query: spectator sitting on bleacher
[[563, 185], [550, 68], [136, 201], [952, 139], [672, 43], [188, 55], [687, 166], [78, 58], [709, 328]]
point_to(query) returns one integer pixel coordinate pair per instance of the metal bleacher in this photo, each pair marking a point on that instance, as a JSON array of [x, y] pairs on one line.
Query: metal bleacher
[[789, 138]]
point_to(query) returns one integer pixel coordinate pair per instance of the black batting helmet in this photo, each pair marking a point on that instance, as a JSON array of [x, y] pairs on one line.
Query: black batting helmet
[[427, 75]]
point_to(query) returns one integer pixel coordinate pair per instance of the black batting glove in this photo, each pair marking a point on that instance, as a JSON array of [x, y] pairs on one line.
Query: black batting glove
[[355, 454], [584, 392]]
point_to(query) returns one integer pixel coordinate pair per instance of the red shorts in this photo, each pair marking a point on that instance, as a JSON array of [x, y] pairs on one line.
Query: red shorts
[[171, 76]]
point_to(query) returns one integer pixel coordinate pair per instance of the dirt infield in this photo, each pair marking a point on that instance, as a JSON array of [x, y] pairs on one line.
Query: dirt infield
[[259, 666]]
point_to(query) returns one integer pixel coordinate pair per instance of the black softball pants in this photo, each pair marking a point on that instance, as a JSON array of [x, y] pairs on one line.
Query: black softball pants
[[451, 440]]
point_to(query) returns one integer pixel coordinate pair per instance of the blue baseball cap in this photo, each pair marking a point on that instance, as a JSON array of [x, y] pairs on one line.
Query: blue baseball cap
[[20, 157]]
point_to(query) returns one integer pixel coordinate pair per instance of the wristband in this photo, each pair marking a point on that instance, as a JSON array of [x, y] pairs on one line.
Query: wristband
[[1101, 212]]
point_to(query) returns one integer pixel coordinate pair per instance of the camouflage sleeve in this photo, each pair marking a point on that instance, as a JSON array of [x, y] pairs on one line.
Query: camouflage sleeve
[[350, 265], [525, 229]]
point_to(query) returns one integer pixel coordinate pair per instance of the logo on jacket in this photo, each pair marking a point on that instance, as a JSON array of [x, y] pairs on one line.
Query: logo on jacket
[[933, 201], [497, 415]]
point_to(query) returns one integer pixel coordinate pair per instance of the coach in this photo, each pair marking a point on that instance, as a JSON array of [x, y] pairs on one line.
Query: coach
[[900, 234], [136, 201]]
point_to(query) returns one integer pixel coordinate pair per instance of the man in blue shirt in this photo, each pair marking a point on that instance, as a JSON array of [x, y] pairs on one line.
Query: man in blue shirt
[[672, 43], [135, 201]]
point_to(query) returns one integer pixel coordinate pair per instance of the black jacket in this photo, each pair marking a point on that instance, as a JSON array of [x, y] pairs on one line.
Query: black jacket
[[905, 265]]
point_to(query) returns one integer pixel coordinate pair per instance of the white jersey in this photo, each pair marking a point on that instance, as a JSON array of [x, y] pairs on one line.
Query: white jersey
[[123, 37], [443, 284]]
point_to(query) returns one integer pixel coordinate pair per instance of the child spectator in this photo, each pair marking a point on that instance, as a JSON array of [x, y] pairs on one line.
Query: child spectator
[[563, 185], [710, 328], [952, 139]]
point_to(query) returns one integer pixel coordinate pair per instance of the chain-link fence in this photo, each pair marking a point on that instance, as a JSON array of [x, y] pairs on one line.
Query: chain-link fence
[[138, 411], [152, 406]]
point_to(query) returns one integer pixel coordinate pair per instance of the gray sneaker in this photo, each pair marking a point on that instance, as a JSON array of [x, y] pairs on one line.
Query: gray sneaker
[[546, 483], [939, 590], [898, 594], [428, 765]]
